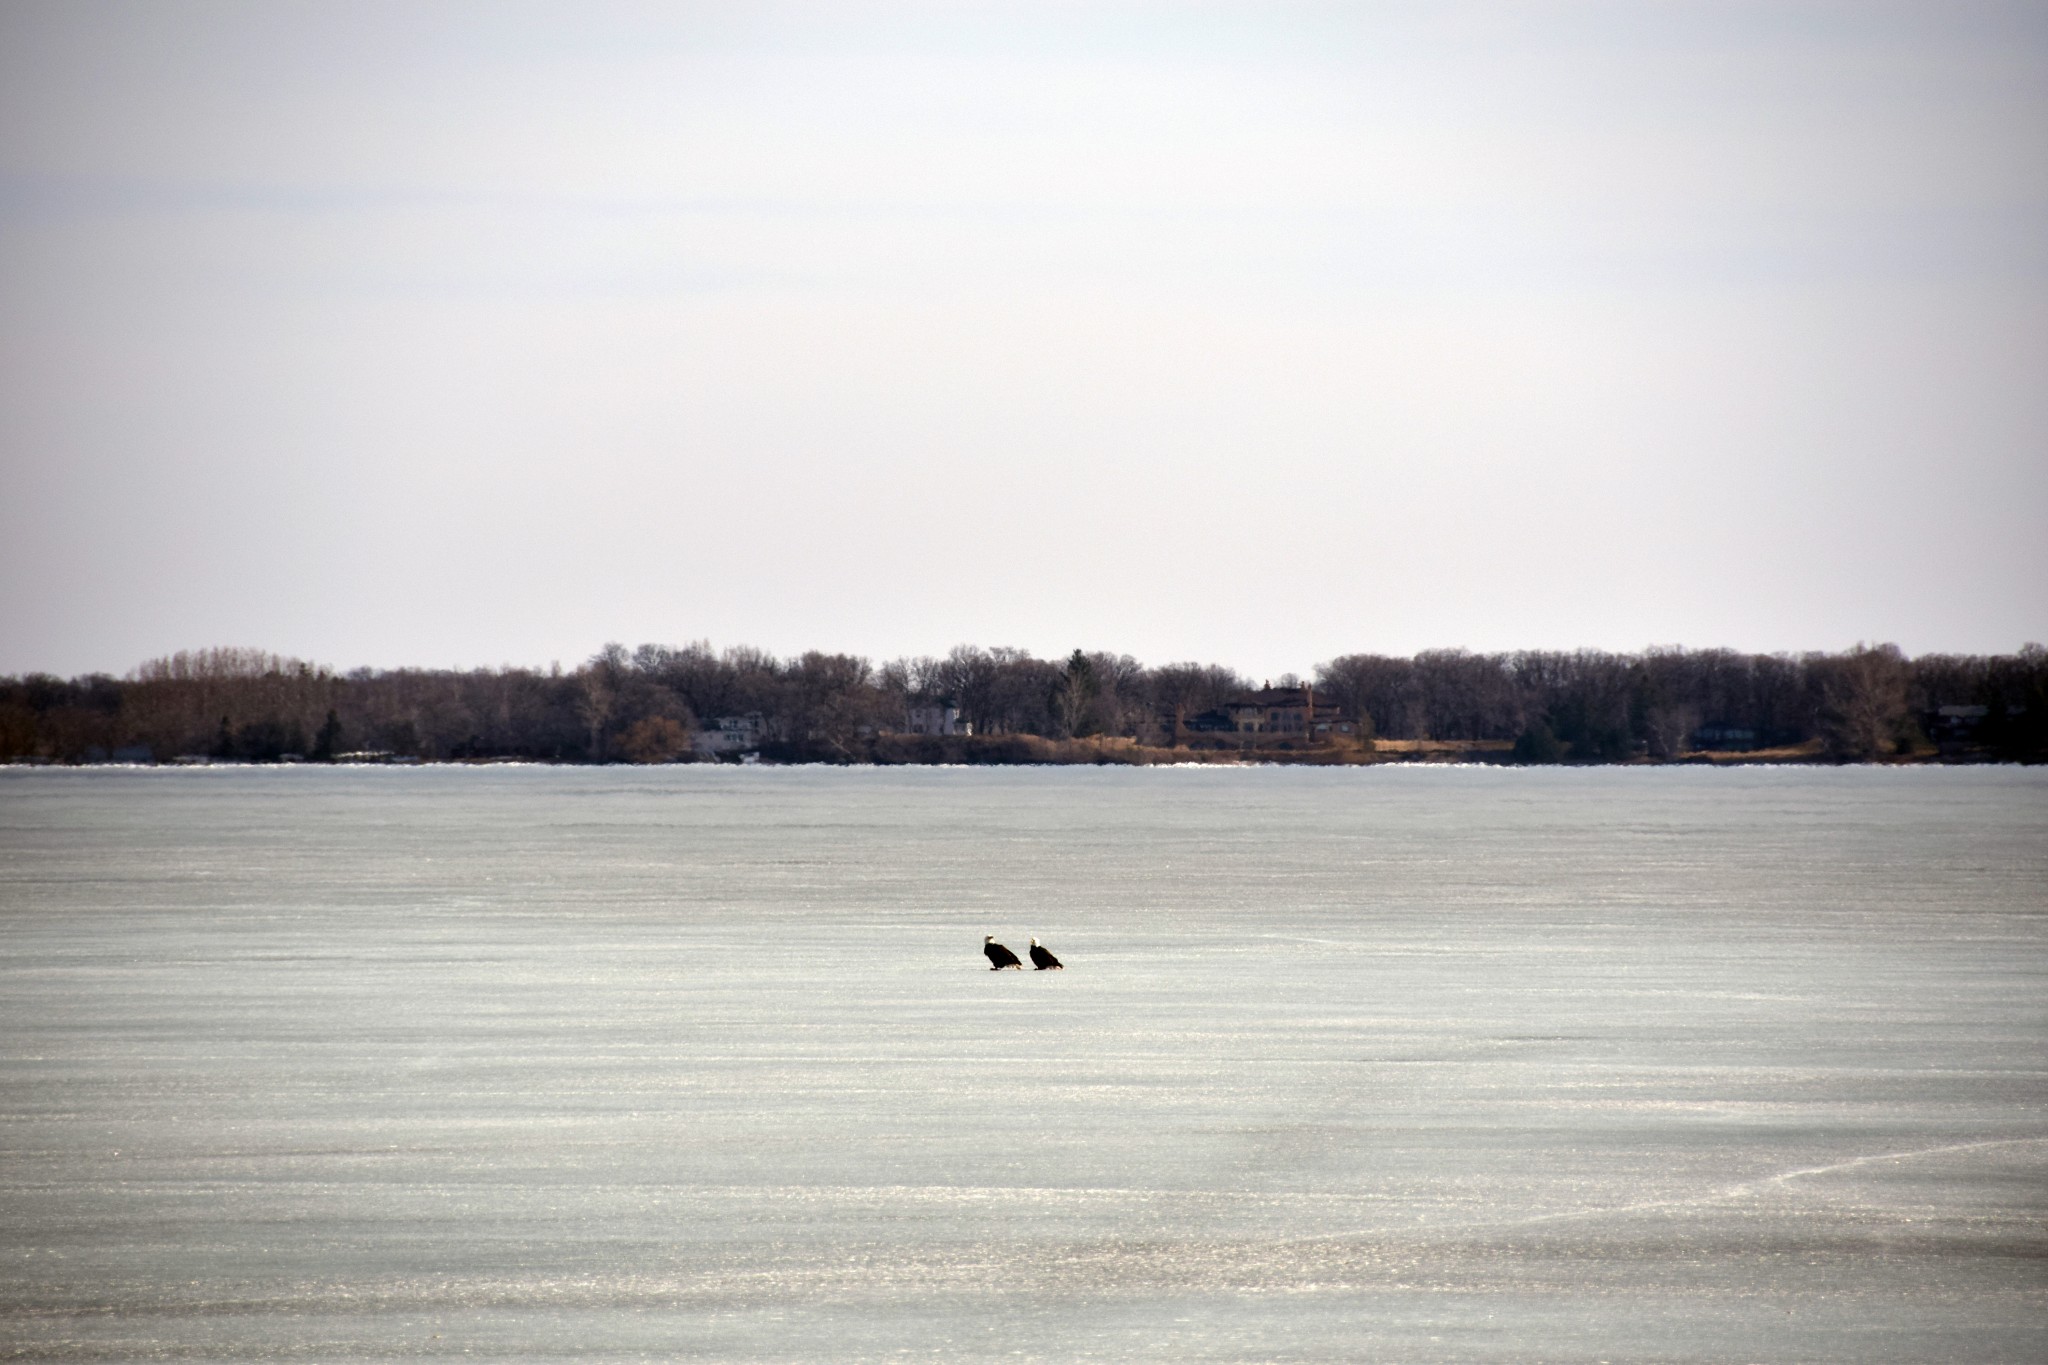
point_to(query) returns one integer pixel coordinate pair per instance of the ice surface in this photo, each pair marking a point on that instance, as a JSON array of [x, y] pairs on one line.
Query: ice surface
[[1405, 1065]]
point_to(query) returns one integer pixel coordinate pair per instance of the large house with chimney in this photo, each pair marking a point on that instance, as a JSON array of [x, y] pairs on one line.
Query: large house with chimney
[[1269, 715]]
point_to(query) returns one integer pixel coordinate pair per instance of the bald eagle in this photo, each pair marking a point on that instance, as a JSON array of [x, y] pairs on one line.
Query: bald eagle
[[1042, 958], [999, 957]]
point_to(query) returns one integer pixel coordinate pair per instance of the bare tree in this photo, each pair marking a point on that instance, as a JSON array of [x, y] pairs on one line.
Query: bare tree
[[602, 679], [1072, 696], [1381, 692], [655, 739], [1862, 700]]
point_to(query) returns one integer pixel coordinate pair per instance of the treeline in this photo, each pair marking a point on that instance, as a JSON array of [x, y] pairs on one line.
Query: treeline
[[645, 705], [1866, 703]]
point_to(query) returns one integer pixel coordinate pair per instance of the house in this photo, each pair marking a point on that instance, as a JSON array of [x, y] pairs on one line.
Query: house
[[730, 735], [1214, 722], [940, 717], [1955, 722], [1956, 728], [1724, 737], [1273, 713]]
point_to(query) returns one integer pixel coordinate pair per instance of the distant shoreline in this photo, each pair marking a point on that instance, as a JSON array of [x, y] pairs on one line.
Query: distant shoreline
[[1006, 752], [660, 704]]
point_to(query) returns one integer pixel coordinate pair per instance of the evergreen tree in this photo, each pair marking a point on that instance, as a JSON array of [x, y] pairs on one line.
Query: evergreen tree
[[324, 742]]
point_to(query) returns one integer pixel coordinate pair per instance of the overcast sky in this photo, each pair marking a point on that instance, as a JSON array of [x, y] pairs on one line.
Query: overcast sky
[[1252, 333]]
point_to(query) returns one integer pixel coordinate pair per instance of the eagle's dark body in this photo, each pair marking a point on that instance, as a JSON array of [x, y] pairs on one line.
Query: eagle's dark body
[[1042, 959], [999, 957]]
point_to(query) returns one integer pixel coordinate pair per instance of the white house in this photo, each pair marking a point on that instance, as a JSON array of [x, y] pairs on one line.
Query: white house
[[937, 718], [730, 735]]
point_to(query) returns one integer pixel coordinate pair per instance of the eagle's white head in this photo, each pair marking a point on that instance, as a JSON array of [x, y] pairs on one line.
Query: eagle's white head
[[988, 938], [1034, 943]]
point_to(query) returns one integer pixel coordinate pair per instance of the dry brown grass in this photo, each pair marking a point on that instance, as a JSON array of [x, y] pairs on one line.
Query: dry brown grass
[[1444, 750], [1102, 750], [1811, 751]]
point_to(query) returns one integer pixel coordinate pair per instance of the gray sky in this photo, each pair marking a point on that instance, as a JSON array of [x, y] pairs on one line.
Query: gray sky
[[1254, 333]]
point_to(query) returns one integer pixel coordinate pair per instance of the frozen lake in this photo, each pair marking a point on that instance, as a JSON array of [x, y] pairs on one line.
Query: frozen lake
[[1382, 1064]]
